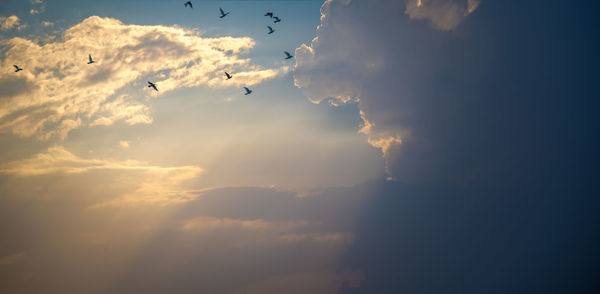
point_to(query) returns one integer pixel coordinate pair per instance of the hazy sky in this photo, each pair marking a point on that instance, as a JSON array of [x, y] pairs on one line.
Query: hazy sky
[[416, 146]]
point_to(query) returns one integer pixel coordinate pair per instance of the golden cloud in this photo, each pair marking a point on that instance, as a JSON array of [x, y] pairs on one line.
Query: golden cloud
[[152, 184], [57, 91]]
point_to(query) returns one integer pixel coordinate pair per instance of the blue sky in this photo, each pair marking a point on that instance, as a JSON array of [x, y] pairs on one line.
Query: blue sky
[[417, 146]]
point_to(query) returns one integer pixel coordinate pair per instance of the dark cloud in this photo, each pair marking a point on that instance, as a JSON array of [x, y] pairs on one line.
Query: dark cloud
[[393, 238], [499, 97]]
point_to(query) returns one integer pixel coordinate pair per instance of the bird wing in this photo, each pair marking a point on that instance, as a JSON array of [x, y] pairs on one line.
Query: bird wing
[[16, 67], [90, 57], [247, 90], [287, 53], [270, 28], [222, 12]]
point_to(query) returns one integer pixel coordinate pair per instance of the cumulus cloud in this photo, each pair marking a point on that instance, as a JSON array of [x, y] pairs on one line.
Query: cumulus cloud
[[47, 23], [10, 22], [58, 92], [443, 14]]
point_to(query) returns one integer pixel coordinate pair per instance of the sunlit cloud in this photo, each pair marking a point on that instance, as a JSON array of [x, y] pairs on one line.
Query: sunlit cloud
[[10, 22], [57, 91], [152, 184], [40, 6], [443, 14], [214, 223]]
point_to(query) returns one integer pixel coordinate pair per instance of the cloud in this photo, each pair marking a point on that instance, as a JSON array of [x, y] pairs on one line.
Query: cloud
[[385, 67], [10, 22], [443, 14], [153, 184], [47, 24], [41, 7], [67, 93]]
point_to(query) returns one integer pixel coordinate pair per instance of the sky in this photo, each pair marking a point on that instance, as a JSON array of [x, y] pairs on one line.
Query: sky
[[414, 146]]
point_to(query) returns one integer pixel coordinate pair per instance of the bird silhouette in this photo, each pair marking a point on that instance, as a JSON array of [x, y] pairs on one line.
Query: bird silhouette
[[189, 3], [223, 13], [288, 55], [227, 75], [152, 85], [248, 91], [17, 68], [91, 60], [269, 14], [277, 19], [271, 30]]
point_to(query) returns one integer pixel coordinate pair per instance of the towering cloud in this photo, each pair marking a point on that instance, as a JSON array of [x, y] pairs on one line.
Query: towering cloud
[[366, 52]]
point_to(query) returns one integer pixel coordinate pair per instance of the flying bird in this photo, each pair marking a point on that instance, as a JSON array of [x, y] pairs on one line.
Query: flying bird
[[271, 30], [189, 3], [288, 55], [152, 85], [227, 75], [269, 14], [223, 14], [248, 91], [91, 61], [277, 19], [17, 68]]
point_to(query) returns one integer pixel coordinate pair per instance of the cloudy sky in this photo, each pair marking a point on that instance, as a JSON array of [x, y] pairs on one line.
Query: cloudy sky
[[414, 146]]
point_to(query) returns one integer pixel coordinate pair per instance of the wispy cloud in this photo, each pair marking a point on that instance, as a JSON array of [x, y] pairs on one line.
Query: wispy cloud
[[40, 6], [58, 92], [153, 184]]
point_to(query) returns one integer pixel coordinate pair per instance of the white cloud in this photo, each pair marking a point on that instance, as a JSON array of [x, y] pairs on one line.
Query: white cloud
[[10, 22], [57, 91], [443, 14], [47, 24]]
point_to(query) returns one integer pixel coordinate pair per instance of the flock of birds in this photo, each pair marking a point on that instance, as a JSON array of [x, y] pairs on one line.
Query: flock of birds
[[227, 75]]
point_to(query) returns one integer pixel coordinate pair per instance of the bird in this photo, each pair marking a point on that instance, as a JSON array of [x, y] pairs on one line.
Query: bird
[[277, 19], [271, 30], [288, 55], [91, 61], [17, 68], [227, 75], [152, 85], [248, 91], [189, 3], [270, 14], [223, 14]]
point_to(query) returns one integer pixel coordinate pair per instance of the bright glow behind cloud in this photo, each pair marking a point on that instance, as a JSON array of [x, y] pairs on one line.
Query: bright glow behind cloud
[[58, 92], [150, 184]]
